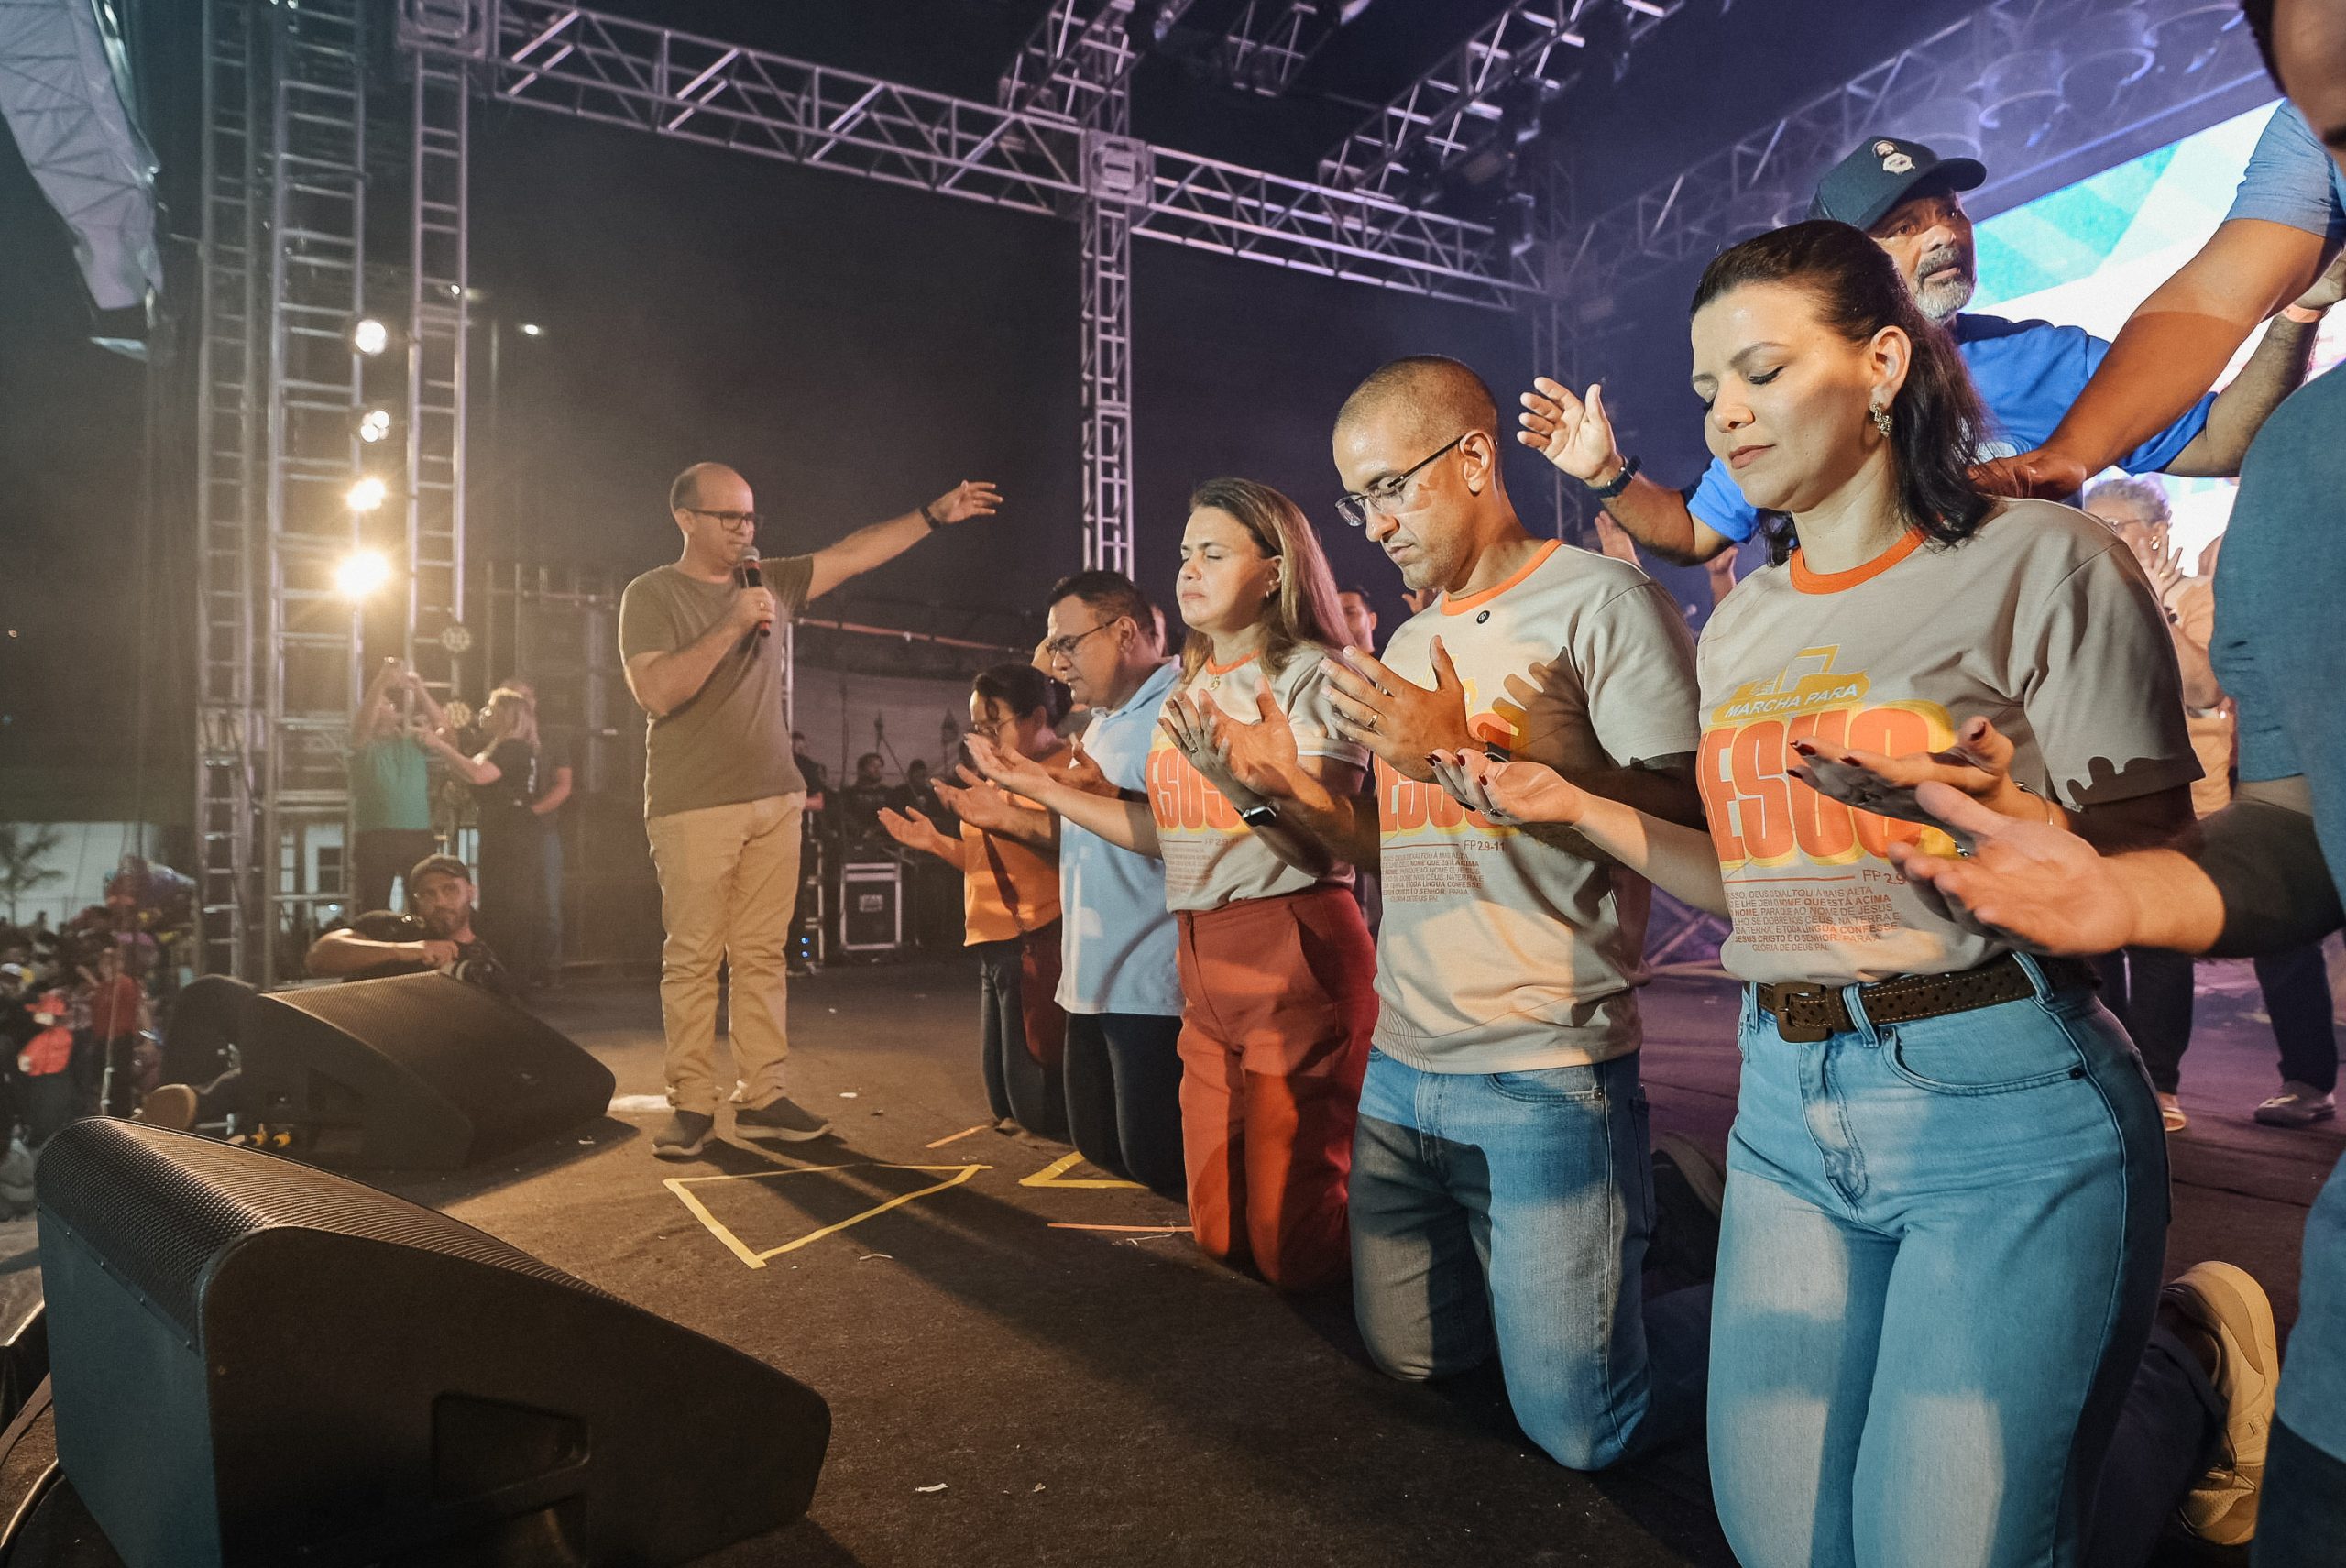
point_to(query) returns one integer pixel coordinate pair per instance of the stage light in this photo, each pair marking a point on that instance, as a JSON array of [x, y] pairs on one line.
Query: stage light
[[370, 336], [366, 495], [532, 329], [360, 573], [374, 425], [1518, 223]]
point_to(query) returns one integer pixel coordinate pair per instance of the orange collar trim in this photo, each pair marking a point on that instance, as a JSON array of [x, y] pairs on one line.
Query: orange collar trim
[[1214, 669], [1539, 559], [1810, 582]]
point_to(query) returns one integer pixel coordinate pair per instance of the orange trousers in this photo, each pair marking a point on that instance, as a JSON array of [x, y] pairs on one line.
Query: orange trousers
[[1279, 998]]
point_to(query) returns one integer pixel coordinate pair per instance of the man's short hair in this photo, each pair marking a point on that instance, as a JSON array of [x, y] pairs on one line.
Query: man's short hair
[[684, 490], [431, 865], [2147, 494], [1443, 398], [870, 757], [1109, 595], [1356, 590], [2260, 28]]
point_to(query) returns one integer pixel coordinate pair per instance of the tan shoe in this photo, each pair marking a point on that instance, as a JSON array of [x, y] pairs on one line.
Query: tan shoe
[[2232, 1307], [173, 1105], [2171, 1115]]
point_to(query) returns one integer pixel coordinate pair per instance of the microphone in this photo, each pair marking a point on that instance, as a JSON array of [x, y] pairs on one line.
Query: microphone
[[747, 576]]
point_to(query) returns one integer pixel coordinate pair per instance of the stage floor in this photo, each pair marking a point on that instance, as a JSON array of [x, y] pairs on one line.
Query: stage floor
[[1028, 1365]]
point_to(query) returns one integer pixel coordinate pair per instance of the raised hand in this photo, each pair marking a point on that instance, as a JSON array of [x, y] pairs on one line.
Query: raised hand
[[1510, 791], [913, 831], [1260, 754], [2030, 882], [1418, 599], [1188, 722], [1394, 718], [2163, 564], [1013, 771], [2056, 475], [1080, 772], [1979, 764], [1573, 434], [970, 498], [980, 805]]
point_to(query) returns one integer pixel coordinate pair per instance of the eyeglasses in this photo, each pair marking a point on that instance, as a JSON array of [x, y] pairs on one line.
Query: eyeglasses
[[1064, 647], [1386, 499], [729, 518]]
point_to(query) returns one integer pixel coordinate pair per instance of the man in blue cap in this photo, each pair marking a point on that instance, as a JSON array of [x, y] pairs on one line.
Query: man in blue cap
[[2028, 373]]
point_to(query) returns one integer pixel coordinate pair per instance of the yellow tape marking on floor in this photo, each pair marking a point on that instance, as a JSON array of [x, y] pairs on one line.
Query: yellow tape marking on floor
[[1153, 1230], [1052, 1175], [957, 1137], [679, 1185]]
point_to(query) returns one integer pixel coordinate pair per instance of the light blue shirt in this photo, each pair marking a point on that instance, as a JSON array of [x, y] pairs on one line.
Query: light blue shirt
[[2291, 179], [2027, 373], [1118, 940]]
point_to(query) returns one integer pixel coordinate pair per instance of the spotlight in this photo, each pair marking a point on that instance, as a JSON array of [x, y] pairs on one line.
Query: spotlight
[[532, 329], [370, 336], [366, 495], [360, 573], [374, 425]]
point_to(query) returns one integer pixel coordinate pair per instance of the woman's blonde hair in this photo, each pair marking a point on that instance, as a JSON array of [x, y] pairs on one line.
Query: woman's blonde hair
[[1306, 609], [510, 715]]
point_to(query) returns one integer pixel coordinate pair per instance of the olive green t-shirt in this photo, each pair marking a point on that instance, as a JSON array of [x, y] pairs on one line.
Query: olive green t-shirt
[[731, 741]]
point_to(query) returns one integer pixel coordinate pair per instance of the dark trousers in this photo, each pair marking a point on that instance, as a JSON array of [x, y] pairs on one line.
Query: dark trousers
[[512, 917], [2170, 1429], [1124, 1096], [2301, 1518], [1022, 1032], [381, 856], [2150, 990]]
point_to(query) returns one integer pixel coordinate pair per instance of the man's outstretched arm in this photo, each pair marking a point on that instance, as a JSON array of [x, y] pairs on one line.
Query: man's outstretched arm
[[884, 542]]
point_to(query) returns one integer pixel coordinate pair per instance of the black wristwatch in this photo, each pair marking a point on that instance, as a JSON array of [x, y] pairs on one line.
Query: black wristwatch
[[929, 518], [1261, 813], [1617, 483]]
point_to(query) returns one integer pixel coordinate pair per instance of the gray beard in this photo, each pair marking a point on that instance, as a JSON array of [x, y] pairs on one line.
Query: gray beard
[[1940, 302]]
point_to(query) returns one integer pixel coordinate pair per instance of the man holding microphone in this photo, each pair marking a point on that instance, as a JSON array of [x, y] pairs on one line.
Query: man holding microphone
[[721, 796]]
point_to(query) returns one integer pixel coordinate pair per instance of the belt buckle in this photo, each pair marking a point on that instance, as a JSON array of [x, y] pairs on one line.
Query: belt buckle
[[1795, 1033]]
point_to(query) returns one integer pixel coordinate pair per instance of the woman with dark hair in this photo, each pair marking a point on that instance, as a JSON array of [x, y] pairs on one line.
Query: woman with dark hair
[[1010, 895], [1946, 1199], [1277, 970]]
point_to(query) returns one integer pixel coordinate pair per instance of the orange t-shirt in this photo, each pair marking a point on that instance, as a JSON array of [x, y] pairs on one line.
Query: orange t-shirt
[[1013, 890]]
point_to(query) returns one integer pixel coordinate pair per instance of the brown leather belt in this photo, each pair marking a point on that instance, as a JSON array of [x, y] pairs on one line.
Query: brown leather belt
[[1806, 1014]]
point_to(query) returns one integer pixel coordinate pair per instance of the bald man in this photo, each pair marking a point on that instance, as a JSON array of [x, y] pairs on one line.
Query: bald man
[[1499, 1194], [722, 797]]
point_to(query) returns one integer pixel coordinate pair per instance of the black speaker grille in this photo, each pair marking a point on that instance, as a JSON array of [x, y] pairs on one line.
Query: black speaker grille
[[158, 1206]]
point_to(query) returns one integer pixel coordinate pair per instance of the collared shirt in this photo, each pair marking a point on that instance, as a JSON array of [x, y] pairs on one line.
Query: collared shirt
[[1118, 938], [2028, 375]]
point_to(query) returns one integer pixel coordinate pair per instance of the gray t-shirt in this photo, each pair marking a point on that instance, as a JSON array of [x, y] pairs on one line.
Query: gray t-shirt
[[730, 742], [2041, 622]]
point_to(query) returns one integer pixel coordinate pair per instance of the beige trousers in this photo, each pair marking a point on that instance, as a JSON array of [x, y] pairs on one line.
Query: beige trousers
[[728, 883]]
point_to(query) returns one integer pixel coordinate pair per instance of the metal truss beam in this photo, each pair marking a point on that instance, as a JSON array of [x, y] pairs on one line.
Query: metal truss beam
[[2038, 82], [1454, 109], [1081, 54], [1270, 41], [562, 58]]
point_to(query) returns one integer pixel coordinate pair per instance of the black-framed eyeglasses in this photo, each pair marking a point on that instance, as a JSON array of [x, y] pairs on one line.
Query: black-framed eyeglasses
[[729, 518], [1064, 647], [1386, 498]]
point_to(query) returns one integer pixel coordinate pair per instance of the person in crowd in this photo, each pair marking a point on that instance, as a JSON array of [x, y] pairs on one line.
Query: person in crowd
[[1360, 618], [1119, 974], [505, 780], [2028, 373], [1277, 970], [1500, 1194], [722, 799], [808, 769], [557, 778], [1946, 1202], [118, 1017], [1010, 907], [2149, 988], [2267, 872], [860, 801], [435, 934], [390, 785]]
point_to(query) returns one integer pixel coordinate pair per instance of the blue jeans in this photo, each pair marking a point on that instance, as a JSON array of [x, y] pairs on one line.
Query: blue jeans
[[1938, 1270], [1509, 1211]]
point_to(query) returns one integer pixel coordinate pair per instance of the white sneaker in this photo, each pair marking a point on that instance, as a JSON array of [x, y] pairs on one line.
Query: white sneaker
[[2297, 1105]]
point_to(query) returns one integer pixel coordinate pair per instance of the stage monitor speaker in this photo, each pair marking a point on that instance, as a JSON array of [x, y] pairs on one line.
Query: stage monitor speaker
[[871, 906], [416, 1072], [257, 1362]]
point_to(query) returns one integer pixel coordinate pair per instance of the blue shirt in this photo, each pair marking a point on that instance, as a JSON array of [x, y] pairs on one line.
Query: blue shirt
[[2279, 585], [2028, 373], [1117, 938], [2291, 179]]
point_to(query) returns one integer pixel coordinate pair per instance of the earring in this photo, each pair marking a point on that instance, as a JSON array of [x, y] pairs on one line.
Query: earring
[[1882, 422]]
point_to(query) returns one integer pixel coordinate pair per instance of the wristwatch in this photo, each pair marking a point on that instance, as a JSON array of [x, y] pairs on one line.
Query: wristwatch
[[1261, 813], [1617, 483]]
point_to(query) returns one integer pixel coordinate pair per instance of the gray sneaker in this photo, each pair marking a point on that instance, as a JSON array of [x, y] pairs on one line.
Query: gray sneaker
[[684, 1134], [781, 1120], [2297, 1105]]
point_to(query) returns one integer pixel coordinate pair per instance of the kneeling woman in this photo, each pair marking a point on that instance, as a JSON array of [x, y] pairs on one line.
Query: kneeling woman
[[1277, 970], [1947, 1192], [1009, 902]]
